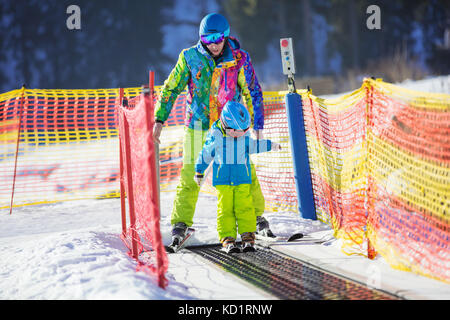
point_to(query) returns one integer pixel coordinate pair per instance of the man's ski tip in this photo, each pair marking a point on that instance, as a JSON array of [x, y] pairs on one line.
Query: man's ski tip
[[295, 236]]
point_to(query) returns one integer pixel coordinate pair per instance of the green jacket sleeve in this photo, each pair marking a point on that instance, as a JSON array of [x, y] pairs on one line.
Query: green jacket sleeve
[[173, 86]]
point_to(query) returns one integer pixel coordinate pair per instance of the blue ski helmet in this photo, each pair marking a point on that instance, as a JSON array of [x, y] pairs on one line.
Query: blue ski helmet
[[214, 23], [235, 116]]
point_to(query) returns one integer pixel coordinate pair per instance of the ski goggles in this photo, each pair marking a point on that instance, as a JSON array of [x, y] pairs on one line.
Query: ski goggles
[[235, 133], [231, 132], [215, 38]]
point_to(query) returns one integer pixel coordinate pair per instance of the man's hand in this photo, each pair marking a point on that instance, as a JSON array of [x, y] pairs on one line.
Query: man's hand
[[157, 128], [198, 177], [276, 146]]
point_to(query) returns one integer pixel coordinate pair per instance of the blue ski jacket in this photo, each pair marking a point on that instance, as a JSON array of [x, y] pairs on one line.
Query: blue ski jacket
[[231, 156]]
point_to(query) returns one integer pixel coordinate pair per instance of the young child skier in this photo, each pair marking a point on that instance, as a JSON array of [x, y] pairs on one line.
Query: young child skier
[[229, 144]]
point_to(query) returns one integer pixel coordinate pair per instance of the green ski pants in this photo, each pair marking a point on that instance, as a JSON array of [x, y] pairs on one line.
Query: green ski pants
[[234, 210]]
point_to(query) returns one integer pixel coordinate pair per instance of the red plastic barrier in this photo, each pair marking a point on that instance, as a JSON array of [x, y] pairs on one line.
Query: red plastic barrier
[[139, 183]]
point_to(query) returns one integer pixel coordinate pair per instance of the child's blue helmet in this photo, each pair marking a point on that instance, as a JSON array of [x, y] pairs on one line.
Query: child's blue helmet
[[214, 23], [235, 116]]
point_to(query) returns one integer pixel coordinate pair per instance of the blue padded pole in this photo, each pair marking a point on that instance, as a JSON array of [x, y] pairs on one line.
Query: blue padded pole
[[302, 171]]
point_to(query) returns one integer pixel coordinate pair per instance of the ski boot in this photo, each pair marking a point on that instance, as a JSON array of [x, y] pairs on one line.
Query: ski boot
[[229, 245], [178, 235], [262, 227], [248, 242]]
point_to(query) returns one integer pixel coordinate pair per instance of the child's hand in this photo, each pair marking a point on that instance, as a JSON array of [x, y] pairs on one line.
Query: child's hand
[[276, 146], [198, 178], [258, 134]]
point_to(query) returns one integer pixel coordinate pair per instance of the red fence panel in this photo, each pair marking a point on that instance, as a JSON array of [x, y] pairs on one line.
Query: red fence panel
[[139, 183]]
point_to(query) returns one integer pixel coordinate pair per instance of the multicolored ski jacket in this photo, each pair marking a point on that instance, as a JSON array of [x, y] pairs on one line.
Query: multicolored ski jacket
[[211, 85], [231, 156]]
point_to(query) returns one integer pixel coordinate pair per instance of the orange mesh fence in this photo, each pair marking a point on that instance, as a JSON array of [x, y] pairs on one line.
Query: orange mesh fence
[[59, 156], [336, 131], [380, 164], [409, 178], [139, 184], [58, 145]]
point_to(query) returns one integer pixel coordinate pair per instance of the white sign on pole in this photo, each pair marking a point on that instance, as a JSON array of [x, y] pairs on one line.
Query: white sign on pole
[[287, 56]]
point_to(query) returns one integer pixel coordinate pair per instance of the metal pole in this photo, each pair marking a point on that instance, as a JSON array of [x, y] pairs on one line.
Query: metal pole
[[17, 149], [156, 145], [297, 135]]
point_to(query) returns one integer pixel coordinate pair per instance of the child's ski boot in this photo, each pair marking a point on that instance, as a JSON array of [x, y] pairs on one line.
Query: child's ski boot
[[248, 242], [229, 245]]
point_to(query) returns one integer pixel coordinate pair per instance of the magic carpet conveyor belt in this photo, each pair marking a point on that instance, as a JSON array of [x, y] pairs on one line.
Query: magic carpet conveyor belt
[[288, 278]]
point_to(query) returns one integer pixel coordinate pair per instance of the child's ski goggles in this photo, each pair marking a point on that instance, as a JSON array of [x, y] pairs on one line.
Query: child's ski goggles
[[215, 38], [231, 132], [234, 133]]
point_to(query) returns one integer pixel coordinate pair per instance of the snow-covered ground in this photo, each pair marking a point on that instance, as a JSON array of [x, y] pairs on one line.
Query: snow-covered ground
[[72, 250], [439, 84]]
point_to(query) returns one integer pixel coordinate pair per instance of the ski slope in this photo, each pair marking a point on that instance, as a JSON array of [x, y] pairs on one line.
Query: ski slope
[[72, 250]]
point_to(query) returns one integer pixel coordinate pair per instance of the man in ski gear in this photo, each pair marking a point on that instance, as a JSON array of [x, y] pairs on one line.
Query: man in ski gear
[[216, 70], [229, 145]]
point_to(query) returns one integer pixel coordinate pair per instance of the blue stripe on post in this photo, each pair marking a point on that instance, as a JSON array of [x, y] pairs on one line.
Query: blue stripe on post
[[302, 171]]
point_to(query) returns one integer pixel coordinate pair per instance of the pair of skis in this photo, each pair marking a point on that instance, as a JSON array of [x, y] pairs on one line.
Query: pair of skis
[[177, 244]]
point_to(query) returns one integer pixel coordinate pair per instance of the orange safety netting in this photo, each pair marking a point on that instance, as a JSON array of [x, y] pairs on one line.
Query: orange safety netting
[[380, 165], [58, 145], [336, 131], [139, 185], [408, 167]]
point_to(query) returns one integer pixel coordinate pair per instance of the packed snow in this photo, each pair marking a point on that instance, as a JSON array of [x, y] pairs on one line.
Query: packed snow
[[72, 250]]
